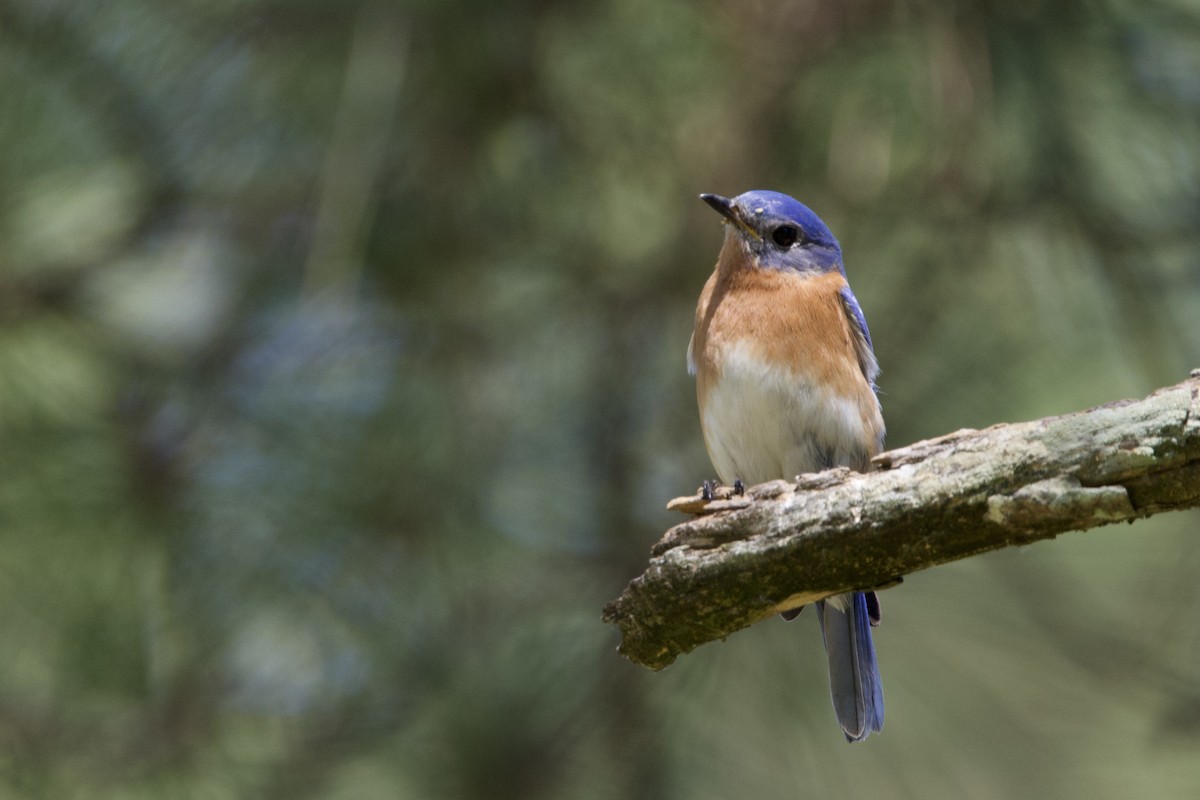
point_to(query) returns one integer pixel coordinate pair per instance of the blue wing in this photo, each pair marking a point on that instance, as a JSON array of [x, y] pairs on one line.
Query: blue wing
[[862, 336]]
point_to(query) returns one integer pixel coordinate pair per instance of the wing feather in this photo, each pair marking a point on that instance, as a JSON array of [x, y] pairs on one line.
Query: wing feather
[[862, 336]]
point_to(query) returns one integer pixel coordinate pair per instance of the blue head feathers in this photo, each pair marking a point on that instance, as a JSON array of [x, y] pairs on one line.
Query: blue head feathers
[[780, 231]]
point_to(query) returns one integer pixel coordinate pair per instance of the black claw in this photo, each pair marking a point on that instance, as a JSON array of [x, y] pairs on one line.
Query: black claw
[[791, 613], [706, 491], [739, 487]]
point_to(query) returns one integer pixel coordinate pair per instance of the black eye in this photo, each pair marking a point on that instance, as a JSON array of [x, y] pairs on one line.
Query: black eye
[[785, 235]]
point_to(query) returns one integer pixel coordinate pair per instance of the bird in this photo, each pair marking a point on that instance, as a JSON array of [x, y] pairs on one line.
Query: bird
[[785, 381]]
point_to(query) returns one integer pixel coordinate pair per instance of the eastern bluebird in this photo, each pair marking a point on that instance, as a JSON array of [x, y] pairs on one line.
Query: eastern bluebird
[[785, 378]]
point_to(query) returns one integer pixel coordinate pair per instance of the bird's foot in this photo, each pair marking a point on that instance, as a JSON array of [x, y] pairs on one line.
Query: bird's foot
[[713, 496], [710, 490], [873, 609]]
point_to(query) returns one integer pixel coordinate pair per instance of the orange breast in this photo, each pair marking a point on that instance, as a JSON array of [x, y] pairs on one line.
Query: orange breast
[[797, 327]]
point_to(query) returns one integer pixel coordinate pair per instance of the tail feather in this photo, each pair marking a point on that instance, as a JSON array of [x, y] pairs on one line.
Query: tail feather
[[853, 671]]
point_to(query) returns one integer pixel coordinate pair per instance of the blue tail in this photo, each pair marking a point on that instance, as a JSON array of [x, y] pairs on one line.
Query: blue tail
[[853, 670]]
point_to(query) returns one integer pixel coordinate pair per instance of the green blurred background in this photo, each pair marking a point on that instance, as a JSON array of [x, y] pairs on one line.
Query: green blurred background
[[342, 383]]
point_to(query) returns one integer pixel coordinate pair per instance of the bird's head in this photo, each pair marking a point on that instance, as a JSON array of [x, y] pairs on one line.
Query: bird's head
[[778, 232]]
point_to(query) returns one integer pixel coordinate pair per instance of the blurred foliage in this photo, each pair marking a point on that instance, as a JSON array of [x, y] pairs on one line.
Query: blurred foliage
[[341, 384]]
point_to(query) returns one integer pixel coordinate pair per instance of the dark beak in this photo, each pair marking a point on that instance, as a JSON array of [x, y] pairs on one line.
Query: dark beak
[[724, 206]]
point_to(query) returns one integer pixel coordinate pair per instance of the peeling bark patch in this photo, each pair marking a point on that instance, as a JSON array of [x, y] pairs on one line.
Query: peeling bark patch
[[1060, 500]]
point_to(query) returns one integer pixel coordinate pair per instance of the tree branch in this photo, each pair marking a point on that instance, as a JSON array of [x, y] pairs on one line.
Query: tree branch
[[785, 545]]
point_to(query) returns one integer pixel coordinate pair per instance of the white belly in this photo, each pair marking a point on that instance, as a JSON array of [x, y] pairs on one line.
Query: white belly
[[762, 422]]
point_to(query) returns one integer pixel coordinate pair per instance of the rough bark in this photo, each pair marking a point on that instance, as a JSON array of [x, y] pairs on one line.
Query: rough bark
[[786, 544]]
